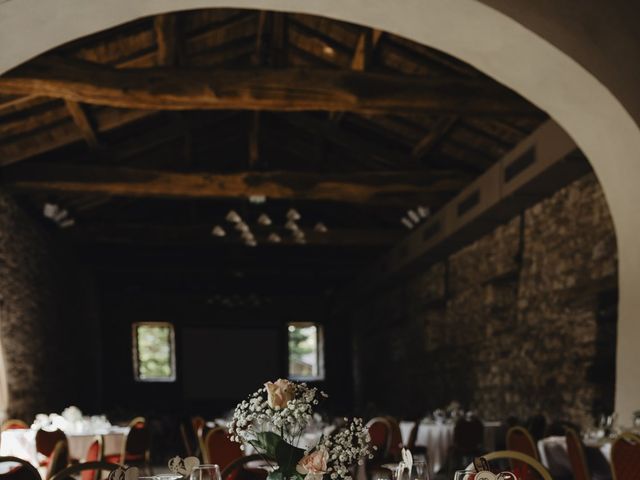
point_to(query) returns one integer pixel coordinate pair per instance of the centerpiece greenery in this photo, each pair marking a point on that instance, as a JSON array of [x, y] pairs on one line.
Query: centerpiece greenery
[[272, 421]]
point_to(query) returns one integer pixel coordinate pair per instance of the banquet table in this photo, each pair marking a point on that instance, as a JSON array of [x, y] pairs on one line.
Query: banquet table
[[437, 437], [554, 456], [21, 443]]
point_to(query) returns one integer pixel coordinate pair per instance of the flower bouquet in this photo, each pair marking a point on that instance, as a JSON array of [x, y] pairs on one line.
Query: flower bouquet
[[273, 420]]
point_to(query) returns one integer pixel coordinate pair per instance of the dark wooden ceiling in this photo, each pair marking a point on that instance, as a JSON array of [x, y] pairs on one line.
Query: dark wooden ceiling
[[385, 123]]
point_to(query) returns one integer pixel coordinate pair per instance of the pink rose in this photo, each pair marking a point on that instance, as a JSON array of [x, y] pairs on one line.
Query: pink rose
[[314, 464], [279, 393]]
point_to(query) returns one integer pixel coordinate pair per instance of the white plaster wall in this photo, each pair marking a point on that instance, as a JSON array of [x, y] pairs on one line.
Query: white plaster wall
[[487, 39]]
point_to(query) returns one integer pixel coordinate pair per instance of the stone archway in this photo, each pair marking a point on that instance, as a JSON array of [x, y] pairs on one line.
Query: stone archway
[[467, 29]]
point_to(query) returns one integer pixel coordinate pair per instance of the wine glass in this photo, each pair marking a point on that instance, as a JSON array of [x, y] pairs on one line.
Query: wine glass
[[419, 471], [464, 475], [206, 472]]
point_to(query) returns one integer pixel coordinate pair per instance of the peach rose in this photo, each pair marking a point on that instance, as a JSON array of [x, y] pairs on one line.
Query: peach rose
[[279, 393], [314, 464]]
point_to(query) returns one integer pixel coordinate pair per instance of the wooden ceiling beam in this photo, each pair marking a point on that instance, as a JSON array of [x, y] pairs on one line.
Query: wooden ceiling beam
[[435, 135], [260, 89], [166, 32], [388, 188], [64, 134], [84, 124]]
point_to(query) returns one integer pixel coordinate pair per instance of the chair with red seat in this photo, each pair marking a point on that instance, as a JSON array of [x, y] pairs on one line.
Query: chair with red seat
[[136, 449], [58, 460], [520, 440], [395, 439], [219, 449], [94, 467], [95, 453], [625, 456], [46, 442], [24, 470], [577, 457], [380, 433], [14, 424]]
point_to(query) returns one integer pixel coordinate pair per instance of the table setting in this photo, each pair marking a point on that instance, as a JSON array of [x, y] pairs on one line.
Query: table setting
[[79, 429]]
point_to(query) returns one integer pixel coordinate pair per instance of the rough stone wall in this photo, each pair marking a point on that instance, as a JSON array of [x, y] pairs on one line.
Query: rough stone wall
[[519, 322], [47, 324]]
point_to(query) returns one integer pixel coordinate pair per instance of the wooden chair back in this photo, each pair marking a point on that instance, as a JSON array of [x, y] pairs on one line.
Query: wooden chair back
[[535, 471], [73, 470], [95, 453], [46, 441], [14, 424], [625, 456], [59, 459], [577, 458], [219, 449], [25, 471]]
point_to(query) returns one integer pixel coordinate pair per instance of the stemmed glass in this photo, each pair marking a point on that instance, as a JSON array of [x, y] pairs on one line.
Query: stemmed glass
[[419, 471], [206, 472], [472, 475]]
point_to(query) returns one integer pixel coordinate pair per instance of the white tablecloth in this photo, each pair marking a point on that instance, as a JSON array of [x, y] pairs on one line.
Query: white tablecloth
[[554, 455], [22, 443], [437, 437]]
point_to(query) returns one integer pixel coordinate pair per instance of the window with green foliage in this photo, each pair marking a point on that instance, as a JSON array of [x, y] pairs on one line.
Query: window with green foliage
[[154, 352], [306, 351]]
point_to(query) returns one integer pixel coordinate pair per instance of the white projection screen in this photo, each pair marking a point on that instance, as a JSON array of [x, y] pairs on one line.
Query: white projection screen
[[226, 362]]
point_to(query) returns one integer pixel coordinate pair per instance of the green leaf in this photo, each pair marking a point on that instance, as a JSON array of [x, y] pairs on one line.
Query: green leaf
[[277, 475], [288, 457], [268, 442]]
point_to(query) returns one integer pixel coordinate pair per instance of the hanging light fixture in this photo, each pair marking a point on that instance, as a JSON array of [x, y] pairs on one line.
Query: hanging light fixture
[[413, 216], [242, 227], [218, 231], [407, 223], [423, 211], [274, 238], [233, 217], [264, 220], [293, 214], [320, 228], [291, 225]]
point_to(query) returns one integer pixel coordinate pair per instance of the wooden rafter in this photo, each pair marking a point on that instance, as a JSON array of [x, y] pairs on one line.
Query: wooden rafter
[[435, 135], [260, 89], [84, 124], [277, 47], [64, 134], [388, 188], [166, 31]]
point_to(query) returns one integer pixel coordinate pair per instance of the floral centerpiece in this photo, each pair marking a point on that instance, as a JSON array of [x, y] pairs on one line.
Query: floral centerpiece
[[272, 421]]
